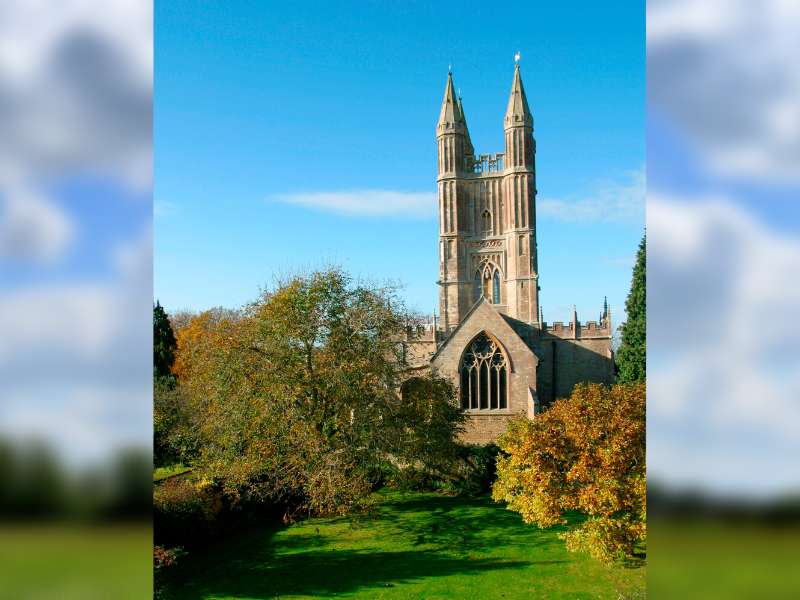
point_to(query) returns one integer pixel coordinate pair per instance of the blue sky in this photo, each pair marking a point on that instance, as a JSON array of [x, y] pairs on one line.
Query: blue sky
[[256, 102]]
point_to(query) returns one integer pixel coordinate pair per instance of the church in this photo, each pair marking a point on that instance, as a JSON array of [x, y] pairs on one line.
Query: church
[[490, 338]]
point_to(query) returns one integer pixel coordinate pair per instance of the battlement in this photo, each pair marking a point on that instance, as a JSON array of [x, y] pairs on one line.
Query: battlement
[[587, 329], [423, 331], [489, 163]]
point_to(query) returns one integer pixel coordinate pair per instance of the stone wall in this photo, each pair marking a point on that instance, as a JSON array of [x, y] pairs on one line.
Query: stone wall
[[487, 424]]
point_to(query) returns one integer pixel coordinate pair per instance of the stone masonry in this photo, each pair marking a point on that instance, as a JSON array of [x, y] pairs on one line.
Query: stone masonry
[[490, 338]]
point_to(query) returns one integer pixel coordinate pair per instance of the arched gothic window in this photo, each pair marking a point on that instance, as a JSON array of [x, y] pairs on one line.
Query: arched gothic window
[[496, 288], [476, 292], [487, 221], [484, 376]]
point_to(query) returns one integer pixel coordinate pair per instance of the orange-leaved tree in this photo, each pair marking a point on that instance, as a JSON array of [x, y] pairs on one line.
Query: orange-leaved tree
[[297, 397], [585, 453]]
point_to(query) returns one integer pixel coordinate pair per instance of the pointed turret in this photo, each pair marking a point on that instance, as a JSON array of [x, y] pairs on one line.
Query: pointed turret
[[451, 119], [519, 180], [518, 123], [451, 133], [518, 113], [541, 316], [469, 150]]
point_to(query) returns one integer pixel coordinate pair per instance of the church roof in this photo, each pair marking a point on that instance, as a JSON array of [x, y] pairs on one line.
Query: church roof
[[492, 321], [518, 112]]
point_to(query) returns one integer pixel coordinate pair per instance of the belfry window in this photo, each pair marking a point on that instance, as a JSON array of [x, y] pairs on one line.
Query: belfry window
[[484, 376], [496, 288], [487, 221]]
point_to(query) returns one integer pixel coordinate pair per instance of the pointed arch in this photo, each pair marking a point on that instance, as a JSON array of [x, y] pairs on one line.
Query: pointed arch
[[484, 375], [486, 221], [496, 287]]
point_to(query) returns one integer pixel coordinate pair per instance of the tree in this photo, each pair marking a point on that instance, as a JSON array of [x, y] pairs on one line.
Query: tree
[[298, 396], [174, 437], [632, 353], [585, 453], [164, 343]]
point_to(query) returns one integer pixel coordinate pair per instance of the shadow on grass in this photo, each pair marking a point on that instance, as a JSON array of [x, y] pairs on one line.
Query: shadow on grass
[[464, 525], [434, 536], [325, 573]]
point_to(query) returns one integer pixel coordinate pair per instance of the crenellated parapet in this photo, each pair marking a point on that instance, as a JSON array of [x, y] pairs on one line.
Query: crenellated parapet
[[600, 329], [587, 329], [421, 340], [489, 164]]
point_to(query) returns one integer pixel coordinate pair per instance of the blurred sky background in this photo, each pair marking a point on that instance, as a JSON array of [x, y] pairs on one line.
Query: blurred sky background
[[723, 218], [75, 225], [288, 136]]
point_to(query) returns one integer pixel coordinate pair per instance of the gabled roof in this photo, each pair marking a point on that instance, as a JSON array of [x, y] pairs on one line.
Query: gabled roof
[[499, 324]]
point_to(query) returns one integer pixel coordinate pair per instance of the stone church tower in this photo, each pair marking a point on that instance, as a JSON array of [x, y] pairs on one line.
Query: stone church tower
[[491, 340], [487, 214]]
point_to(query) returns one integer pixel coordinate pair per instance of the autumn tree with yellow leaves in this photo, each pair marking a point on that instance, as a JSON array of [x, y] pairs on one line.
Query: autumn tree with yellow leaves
[[296, 398], [585, 453]]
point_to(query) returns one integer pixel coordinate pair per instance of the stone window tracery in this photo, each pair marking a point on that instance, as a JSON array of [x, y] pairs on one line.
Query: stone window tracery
[[484, 376], [486, 283]]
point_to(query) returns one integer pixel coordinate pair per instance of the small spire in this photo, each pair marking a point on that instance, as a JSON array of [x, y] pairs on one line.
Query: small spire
[[518, 113], [541, 316], [469, 150], [574, 321], [450, 117], [605, 306]]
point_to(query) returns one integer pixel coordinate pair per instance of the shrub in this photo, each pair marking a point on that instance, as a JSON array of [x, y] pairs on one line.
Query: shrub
[[185, 511], [470, 471], [585, 453]]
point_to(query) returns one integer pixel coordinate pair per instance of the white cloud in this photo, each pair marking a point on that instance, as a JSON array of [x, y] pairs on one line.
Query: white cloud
[[723, 365], [367, 203], [609, 200], [725, 73], [32, 229]]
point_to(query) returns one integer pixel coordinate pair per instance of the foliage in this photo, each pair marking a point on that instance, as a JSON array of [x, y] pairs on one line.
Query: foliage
[[174, 424], [632, 353], [477, 468], [585, 453], [166, 557], [469, 471], [186, 510], [297, 396], [163, 343]]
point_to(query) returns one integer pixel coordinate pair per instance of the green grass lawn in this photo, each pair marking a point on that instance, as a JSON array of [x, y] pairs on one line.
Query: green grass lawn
[[160, 473], [716, 560], [76, 562], [417, 545]]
